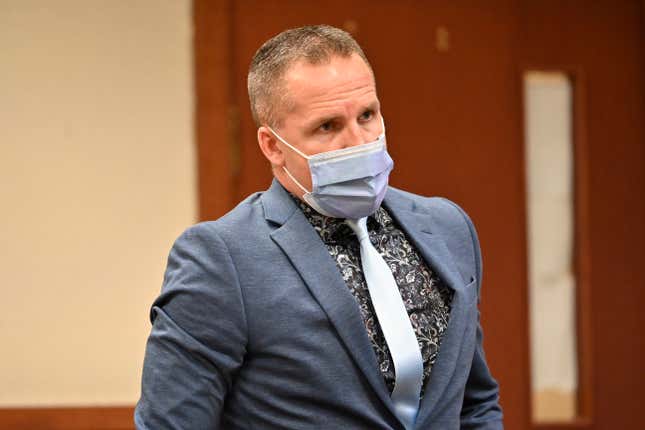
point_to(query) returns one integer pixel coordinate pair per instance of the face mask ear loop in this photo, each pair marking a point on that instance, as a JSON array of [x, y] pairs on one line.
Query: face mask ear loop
[[296, 150], [294, 180]]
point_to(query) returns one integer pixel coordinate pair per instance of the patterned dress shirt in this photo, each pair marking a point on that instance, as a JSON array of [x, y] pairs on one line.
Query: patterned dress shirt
[[426, 298]]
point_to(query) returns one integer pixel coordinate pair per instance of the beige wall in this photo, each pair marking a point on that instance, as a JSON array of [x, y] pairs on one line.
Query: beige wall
[[97, 178]]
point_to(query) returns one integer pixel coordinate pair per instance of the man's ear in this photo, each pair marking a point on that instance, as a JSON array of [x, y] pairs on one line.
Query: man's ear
[[269, 146]]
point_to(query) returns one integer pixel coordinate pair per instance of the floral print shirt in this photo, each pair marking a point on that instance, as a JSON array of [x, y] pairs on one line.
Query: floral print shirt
[[426, 298]]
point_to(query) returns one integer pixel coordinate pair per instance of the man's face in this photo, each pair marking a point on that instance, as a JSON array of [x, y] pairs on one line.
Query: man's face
[[331, 106]]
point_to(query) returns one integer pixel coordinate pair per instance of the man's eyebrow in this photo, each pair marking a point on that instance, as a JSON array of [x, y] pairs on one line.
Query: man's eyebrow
[[375, 106], [322, 119]]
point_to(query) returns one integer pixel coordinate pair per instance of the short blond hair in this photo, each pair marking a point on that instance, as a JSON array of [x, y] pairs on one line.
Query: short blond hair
[[315, 44]]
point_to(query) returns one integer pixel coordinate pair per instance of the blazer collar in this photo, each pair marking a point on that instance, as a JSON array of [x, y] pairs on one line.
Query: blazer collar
[[418, 224], [277, 203]]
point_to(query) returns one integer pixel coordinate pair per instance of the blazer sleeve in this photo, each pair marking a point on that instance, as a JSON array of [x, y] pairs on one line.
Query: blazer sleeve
[[198, 337], [481, 409]]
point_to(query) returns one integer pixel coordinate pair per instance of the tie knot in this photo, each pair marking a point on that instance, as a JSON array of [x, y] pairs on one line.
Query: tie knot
[[359, 227]]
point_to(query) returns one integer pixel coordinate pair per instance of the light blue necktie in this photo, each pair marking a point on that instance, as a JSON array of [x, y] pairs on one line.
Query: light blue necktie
[[395, 324]]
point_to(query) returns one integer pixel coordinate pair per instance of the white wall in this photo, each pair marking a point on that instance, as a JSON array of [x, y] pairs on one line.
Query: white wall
[[97, 178]]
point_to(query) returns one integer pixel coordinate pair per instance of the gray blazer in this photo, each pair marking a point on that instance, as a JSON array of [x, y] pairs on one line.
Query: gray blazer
[[256, 329]]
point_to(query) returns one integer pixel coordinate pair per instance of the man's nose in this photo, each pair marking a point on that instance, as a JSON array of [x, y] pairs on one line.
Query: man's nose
[[355, 135]]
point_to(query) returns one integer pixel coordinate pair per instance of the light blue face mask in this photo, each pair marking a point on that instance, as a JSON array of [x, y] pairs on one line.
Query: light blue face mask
[[347, 183]]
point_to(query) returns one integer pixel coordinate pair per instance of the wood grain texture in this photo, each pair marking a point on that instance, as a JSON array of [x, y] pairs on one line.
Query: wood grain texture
[[213, 59], [78, 418], [601, 45]]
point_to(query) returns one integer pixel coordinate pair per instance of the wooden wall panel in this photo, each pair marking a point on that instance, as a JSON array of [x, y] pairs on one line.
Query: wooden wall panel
[[215, 114], [80, 418], [604, 41]]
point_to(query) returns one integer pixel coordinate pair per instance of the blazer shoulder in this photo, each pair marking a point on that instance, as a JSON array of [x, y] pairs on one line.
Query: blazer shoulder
[[442, 210], [451, 222], [461, 228], [240, 218]]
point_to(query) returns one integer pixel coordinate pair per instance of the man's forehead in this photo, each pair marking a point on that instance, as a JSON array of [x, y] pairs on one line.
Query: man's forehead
[[337, 71], [338, 78]]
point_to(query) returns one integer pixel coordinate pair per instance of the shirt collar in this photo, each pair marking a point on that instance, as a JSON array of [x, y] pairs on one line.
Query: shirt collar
[[334, 230]]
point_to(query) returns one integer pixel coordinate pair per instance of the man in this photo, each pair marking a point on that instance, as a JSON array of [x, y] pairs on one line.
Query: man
[[312, 305]]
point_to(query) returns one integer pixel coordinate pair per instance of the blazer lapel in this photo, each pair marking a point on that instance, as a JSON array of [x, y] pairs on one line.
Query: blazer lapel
[[304, 248], [417, 226]]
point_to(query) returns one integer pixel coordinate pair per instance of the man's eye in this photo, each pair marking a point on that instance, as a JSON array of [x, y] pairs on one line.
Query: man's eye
[[367, 115], [327, 126]]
